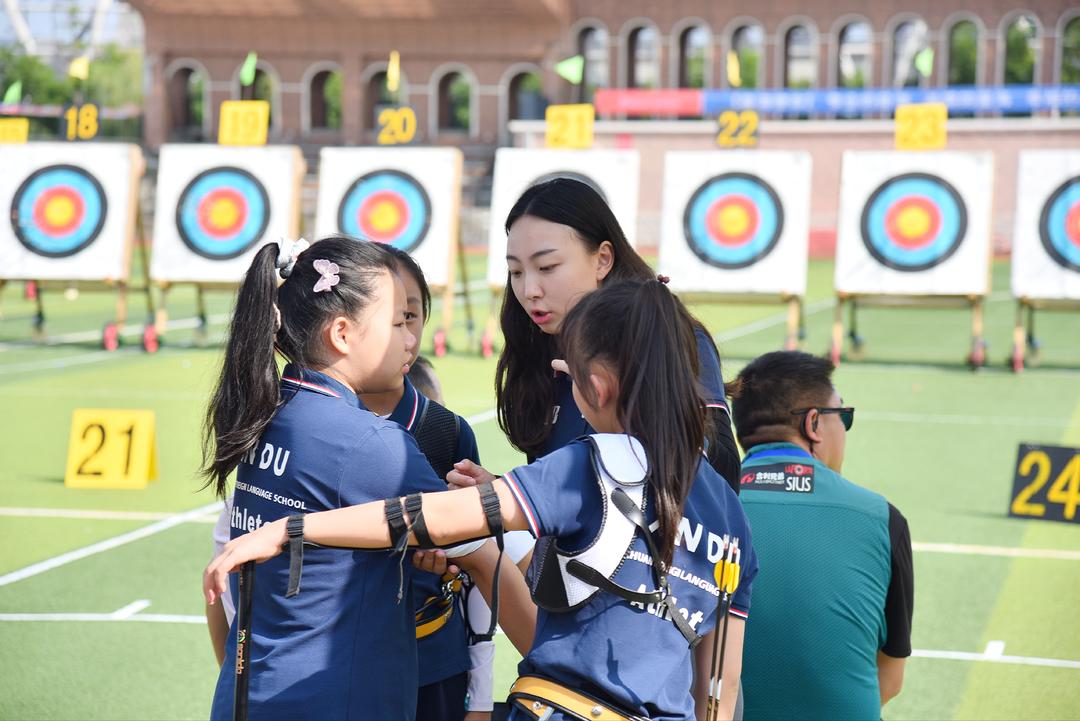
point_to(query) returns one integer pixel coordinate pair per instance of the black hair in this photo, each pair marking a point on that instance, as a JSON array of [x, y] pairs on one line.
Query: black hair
[[422, 376], [644, 335], [524, 390], [408, 263], [773, 385], [247, 393]]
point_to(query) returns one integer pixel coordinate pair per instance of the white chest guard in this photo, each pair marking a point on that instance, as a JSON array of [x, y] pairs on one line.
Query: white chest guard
[[563, 581]]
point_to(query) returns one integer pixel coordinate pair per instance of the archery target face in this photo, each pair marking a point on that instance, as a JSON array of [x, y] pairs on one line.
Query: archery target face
[[612, 173], [216, 206], [914, 223], [68, 220], [736, 221], [1046, 239], [405, 197]]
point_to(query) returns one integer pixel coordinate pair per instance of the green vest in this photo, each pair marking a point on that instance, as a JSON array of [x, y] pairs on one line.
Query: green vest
[[817, 615]]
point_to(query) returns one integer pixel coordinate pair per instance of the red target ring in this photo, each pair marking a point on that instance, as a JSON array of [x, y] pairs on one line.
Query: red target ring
[[383, 216], [1072, 225], [732, 220], [59, 210], [913, 222], [222, 212]]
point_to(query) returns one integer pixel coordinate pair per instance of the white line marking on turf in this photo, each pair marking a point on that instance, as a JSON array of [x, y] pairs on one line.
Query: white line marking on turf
[[1018, 660], [108, 544], [994, 649], [74, 360], [962, 420], [771, 321], [122, 614], [479, 418], [1008, 552], [96, 515], [129, 612]]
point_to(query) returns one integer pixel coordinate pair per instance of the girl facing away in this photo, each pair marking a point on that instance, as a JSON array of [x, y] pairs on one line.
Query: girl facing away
[[634, 504], [303, 441]]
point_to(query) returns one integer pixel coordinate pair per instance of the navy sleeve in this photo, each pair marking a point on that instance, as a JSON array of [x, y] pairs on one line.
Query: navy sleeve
[[900, 598], [748, 569], [710, 377], [466, 443], [558, 492], [386, 464]]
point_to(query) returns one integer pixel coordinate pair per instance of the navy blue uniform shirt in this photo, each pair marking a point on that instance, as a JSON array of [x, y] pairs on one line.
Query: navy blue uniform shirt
[[444, 653], [610, 647], [344, 648], [568, 423]]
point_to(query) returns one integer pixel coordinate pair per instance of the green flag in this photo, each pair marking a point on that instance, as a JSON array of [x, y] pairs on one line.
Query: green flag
[[924, 62], [13, 93], [247, 72], [572, 69]]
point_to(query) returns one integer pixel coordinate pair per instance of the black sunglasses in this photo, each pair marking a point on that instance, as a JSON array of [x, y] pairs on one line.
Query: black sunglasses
[[847, 414]]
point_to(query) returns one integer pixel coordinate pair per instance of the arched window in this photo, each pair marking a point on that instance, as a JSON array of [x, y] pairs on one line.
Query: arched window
[[324, 98], [800, 66], [909, 64], [1070, 52], [694, 56], [593, 46], [643, 58], [744, 62], [853, 55], [1021, 50], [526, 96], [186, 90], [264, 87], [455, 101], [377, 97], [963, 53]]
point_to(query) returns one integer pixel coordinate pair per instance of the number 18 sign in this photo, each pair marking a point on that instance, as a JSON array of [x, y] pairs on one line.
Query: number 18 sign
[[1047, 484], [111, 448]]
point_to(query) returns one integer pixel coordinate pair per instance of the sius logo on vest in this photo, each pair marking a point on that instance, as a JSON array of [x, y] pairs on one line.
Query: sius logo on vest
[[269, 455]]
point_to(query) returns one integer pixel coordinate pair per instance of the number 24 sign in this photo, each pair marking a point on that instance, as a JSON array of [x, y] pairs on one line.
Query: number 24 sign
[[111, 448], [1038, 467]]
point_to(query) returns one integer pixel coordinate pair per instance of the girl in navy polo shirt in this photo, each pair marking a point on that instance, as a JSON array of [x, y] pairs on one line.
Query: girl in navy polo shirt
[[303, 442], [632, 357]]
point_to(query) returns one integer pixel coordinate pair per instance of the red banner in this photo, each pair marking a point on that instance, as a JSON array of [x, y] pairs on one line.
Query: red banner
[[681, 102]]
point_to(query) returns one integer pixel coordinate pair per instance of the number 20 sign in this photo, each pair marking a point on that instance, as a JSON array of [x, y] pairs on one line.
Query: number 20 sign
[[111, 448], [1046, 484]]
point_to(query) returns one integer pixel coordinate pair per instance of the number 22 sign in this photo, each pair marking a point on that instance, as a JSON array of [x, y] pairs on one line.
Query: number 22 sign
[[111, 448], [1040, 466]]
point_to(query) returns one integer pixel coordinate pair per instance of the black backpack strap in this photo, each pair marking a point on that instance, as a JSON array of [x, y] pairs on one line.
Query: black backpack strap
[[436, 431]]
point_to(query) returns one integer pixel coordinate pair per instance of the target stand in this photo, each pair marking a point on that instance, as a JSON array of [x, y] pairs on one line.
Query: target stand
[[735, 229], [914, 232], [408, 198], [1046, 244], [73, 225], [215, 207]]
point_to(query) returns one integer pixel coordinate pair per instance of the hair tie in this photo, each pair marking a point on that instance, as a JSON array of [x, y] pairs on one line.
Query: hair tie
[[328, 275], [288, 252], [663, 279]]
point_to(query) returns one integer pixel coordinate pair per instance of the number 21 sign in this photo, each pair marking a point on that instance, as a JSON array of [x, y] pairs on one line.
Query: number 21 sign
[[1047, 484], [111, 448]]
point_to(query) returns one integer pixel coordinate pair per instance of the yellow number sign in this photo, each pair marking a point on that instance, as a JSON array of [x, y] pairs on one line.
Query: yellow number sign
[[111, 448], [1035, 466], [14, 131], [569, 126], [921, 126], [738, 129], [397, 126], [80, 122], [243, 122]]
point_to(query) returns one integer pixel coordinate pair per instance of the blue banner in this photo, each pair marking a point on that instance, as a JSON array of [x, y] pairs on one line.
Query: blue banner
[[975, 99]]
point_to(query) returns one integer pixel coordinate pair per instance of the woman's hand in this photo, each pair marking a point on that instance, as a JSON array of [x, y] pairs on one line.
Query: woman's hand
[[466, 474], [259, 545], [434, 561]]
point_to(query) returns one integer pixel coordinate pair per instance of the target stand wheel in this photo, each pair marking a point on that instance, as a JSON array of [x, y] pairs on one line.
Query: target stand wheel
[[110, 336], [38, 331], [791, 343], [150, 340], [441, 347], [977, 357], [30, 290], [1017, 359], [835, 354], [487, 345]]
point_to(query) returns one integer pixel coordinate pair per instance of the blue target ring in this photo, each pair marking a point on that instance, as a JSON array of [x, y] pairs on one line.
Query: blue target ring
[[386, 206], [1059, 224], [913, 222], [58, 211], [222, 213], [733, 220]]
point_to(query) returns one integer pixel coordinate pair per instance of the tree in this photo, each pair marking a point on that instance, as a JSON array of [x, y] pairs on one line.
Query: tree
[[963, 53]]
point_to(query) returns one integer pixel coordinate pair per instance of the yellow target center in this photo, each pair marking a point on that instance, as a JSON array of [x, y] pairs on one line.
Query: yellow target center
[[59, 211], [223, 213], [732, 221], [385, 217], [913, 222]]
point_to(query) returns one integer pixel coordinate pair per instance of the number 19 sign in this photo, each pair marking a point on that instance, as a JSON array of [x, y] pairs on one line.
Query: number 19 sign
[[1047, 484], [111, 448]]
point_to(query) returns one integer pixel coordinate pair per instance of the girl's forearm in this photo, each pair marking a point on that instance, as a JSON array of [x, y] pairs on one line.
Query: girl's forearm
[[517, 612]]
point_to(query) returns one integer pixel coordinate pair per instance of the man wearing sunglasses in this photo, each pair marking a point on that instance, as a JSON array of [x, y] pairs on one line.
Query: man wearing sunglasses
[[831, 628]]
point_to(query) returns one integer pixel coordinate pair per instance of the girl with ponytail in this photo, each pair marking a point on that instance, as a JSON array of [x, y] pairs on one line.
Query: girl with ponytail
[[602, 635], [301, 441]]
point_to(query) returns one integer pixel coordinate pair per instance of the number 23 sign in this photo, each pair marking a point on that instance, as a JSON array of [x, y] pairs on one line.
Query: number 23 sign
[[111, 448], [1046, 484]]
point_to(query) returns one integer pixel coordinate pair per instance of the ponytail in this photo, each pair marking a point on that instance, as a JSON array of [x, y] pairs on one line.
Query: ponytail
[[246, 395], [645, 336]]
